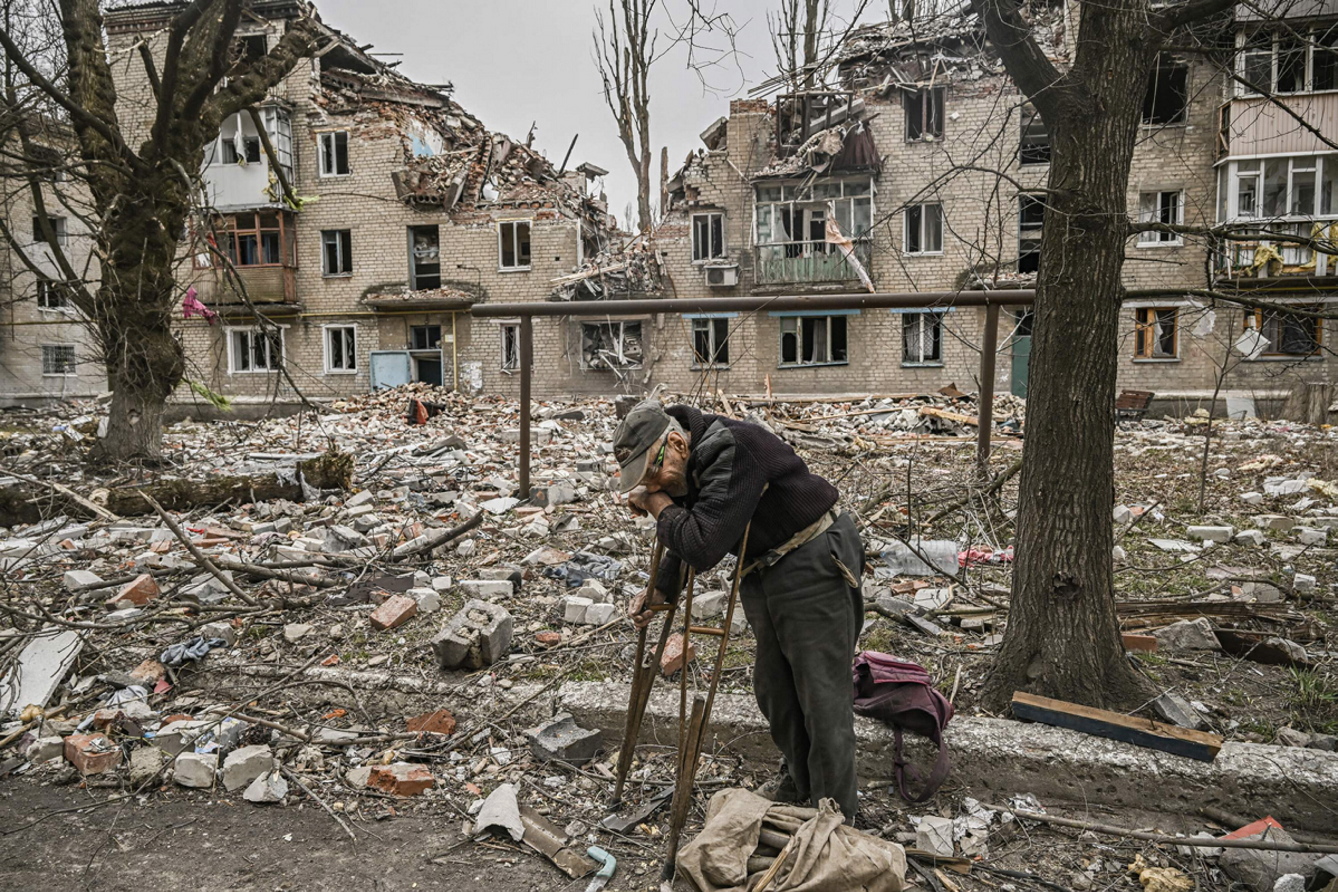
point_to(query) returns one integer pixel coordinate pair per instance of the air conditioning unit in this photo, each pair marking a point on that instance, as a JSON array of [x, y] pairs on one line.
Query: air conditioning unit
[[722, 276]]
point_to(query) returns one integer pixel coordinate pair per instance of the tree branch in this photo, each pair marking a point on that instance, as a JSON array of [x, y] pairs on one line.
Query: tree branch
[[1027, 65]]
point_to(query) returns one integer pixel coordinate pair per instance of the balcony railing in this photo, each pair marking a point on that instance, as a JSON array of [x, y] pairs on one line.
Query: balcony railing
[[807, 263], [1263, 257]]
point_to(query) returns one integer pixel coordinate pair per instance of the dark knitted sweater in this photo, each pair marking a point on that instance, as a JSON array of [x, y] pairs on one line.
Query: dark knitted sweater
[[730, 464]]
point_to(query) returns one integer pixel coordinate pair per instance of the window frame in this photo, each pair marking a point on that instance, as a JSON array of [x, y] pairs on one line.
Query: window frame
[[1029, 233], [509, 335], [1146, 343], [46, 289], [250, 332], [59, 226], [919, 211], [232, 232], [414, 263], [773, 201], [711, 327], [714, 233], [427, 330], [1153, 238], [931, 115], [1261, 317], [919, 318], [343, 245], [349, 348], [328, 156], [516, 266], [1166, 64], [1030, 125], [798, 322], [228, 153], [64, 369], [1316, 40]]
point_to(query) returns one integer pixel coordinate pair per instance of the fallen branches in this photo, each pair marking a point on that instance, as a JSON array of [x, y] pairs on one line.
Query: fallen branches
[[196, 553]]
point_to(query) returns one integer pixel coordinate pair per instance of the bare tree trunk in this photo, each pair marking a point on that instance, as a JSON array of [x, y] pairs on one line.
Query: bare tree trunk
[[624, 51]]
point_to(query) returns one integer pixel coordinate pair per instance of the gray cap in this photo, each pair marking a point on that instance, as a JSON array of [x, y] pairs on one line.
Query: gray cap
[[642, 429]]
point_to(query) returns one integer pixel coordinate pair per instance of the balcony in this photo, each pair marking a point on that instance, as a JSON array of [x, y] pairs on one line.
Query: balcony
[[1251, 126], [807, 263], [1266, 258]]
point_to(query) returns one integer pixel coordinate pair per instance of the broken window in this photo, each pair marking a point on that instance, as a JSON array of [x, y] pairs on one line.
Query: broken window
[[924, 229], [1034, 144], [334, 153], [1161, 207], [424, 257], [924, 113], [1030, 219], [1155, 333], [52, 295], [1256, 62], [1167, 96], [254, 350], [922, 338], [57, 227], [812, 340], [1294, 60], [58, 359], [341, 348], [708, 236], [249, 48], [1324, 60], [259, 239], [336, 252], [611, 345], [248, 150], [1288, 334], [791, 235], [514, 244], [510, 346], [710, 342], [425, 337]]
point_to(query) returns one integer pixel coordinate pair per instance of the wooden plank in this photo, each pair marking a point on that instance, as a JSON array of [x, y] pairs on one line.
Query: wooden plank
[[1129, 729], [951, 416], [1144, 643]]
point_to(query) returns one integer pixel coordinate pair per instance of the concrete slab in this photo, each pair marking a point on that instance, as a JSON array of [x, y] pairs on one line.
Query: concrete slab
[[997, 757], [42, 665]]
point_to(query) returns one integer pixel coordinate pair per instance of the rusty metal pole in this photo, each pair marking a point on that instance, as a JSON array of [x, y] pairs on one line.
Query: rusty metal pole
[[526, 373], [985, 422]]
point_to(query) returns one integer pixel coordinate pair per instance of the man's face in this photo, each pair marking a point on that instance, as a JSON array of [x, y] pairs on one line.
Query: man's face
[[667, 471]]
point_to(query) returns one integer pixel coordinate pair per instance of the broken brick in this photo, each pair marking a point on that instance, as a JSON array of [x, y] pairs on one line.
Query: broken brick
[[139, 591], [1145, 643], [401, 779], [548, 639], [673, 658], [396, 611], [439, 722], [91, 753], [148, 672]]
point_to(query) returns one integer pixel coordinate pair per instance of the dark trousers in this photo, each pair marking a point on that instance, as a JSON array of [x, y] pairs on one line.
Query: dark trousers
[[806, 617]]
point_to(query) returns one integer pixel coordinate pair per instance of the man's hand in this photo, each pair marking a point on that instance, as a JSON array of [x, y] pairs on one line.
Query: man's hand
[[643, 501], [640, 607]]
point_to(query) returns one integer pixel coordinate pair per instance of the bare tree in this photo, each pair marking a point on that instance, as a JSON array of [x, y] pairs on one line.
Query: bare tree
[[141, 186], [624, 52]]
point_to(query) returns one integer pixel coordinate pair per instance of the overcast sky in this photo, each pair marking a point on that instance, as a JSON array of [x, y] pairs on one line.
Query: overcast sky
[[520, 62]]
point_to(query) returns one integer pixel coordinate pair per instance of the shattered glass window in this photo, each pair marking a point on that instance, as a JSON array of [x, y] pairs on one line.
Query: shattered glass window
[[510, 347], [424, 257], [1160, 207], [341, 348], [1288, 334], [1167, 98], [254, 350], [1155, 331], [58, 359], [921, 338], [334, 154], [924, 229], [708, 236], [813, 340], [611, 345], [924, 114], [710, 342], [514, 244]]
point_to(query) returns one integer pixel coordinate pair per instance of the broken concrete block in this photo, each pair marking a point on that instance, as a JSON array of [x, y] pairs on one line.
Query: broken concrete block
[[477, 636], [1275, 522], [574, 608], [708, 605], [934, 834], [1178, 711], [1122, 514], [45, 748], [563, 740], [295, 632], [1295, 652], [269, 787], [1262, 593], [1250, 537], [139, 591], [362, 498], [442, 583], [401, 779], [1259, 869], [488, 588], [74, 580], [1211, 533], [1303, 583], [1252, 498], [595, 591], [145, 763], [674, 658], [192, 769], [91, 753], [552, 494], [1189, 634], [1292, 737], [174, 737], [395, 611], [42, 665], [439, 722], [218, 630], [1311, 535], [357, 777], [427, 599], [599, 614], [245, 764]]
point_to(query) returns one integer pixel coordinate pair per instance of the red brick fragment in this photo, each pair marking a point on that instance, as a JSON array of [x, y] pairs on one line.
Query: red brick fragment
[[91, 753], [175, 717], [396, 611], [673, 658], [148, 672], [103, 719], [439, 722], [1145, 643], [401, 779], [548, 639], [139, 591]]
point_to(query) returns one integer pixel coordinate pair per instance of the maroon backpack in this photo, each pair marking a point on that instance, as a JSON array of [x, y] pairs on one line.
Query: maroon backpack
[[903, 695]]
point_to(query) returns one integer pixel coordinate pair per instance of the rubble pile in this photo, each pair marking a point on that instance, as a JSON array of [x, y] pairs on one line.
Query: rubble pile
[[407, 637]]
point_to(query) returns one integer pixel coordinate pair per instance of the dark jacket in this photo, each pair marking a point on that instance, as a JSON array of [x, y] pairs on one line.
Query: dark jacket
[[730, 465]]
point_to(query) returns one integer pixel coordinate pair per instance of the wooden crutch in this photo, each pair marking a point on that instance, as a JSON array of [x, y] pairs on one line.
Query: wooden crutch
[[690, 744]]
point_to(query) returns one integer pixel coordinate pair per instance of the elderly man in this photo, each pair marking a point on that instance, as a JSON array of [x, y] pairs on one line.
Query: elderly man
[[705, 478]]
